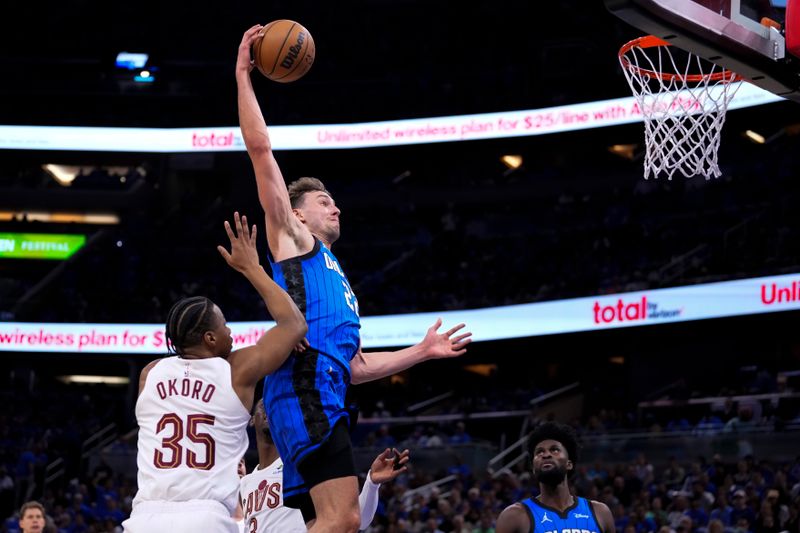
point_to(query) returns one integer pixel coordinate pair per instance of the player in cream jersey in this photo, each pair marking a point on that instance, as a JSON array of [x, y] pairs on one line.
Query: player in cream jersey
[[261, 491], [193, 408], [191, 424]]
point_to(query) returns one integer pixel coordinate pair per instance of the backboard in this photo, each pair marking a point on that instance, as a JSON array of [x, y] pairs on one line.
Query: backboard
[[729, 33]]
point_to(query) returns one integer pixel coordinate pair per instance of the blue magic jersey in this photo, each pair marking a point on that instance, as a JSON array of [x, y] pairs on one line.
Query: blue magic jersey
[[305, 397], [579, 518], [319, 288]]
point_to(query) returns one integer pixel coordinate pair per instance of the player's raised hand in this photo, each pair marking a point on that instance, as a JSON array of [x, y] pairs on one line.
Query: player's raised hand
[[243, 255], [441, 345], [243, 60], [388, 465]]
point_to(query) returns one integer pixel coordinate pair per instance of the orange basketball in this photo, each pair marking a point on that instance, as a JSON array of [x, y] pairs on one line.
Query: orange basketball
[[285, 51]]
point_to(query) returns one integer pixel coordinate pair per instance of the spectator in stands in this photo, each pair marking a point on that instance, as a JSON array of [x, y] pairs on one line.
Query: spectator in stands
[[460, 436], [710, 424], [678, 510], [743, 421], [657, 509], [32, 517], [674, 474], [722, 512], [697, 513], [715, 526], [433, 440], [700, 494], [486, 524], [741, 511], [644, 470], [766, 521], [460, 525], [384, 439], [6, 492]]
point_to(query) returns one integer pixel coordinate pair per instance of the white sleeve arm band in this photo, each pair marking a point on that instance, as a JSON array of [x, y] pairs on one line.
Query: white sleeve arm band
[[368, 501]]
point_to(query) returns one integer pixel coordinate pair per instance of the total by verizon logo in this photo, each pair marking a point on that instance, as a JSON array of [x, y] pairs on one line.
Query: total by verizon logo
[[631, 311], [215, 140], [620, 312]]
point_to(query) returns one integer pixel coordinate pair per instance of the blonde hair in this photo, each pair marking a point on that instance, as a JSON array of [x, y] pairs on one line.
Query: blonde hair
[[301, 186], [30, 505]]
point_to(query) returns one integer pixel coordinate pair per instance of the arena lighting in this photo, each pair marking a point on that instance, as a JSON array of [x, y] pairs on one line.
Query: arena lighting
[[98, 380], [60, 217], [131, 60], [63, 174], [485, 370], [513, 162], [627, 151], [144, 76], [755, 137]]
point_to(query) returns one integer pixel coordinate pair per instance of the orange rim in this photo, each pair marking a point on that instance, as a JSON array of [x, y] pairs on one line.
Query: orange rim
[[651, 41]]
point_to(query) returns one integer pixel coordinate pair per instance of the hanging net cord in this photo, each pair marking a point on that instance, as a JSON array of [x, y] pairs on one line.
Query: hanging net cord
[[683, 113]]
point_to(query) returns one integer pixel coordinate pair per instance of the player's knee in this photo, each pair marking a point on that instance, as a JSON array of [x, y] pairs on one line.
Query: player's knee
[[346, 522], [351, 521]]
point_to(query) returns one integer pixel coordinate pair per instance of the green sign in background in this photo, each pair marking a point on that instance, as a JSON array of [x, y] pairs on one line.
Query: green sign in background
[[39, 245]]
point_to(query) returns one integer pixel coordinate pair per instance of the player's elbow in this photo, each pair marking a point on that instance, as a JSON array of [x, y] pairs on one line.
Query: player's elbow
[[359, 372], [259, 147], [301, 329]]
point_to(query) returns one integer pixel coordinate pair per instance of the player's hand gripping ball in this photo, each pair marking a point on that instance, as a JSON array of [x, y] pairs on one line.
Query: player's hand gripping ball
[[284, 51]]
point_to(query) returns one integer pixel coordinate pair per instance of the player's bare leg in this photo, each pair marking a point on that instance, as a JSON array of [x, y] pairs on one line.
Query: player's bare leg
[[336, 505]]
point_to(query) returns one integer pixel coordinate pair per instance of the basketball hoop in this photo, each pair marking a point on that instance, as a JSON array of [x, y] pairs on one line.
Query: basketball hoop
[[683, 112]]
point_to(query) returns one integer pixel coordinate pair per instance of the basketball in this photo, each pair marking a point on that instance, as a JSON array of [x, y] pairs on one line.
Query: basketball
[[284, 52]]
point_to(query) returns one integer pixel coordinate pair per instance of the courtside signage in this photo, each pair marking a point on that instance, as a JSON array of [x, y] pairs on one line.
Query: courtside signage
[[543, 121], [39, 245], [662, 306]]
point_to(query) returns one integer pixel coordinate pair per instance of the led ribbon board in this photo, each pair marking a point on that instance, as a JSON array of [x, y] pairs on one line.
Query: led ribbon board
[[40, 245], [572, 117], [596, 313]]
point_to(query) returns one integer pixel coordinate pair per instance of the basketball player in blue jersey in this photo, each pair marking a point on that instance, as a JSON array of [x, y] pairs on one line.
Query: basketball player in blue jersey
[[305, 397], [554, 451]]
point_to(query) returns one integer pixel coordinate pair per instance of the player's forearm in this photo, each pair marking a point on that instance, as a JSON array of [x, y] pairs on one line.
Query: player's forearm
[[376, 365], [279, 304], [251, 121], [368, 502]]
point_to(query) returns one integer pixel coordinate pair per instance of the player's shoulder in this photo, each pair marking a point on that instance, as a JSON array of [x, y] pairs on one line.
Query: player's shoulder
[[603, 516], [514, 518], [598, 506], [146, 372]]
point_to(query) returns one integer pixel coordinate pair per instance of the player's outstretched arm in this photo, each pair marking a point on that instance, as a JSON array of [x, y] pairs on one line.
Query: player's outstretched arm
[[287, 237], [376, 365], [273, 348]]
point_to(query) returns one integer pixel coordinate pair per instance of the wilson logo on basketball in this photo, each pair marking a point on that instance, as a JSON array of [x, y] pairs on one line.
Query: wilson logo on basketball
[[773, 294], [294, 51], [631, 311]]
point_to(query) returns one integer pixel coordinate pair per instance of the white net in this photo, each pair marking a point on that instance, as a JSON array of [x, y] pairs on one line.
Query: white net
[[683, 99]]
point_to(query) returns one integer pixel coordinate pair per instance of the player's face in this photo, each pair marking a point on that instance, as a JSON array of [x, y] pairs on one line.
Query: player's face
[[320, 214], [222, 333], [260, 420], [550, 462], [32, 521], [242, 468]]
